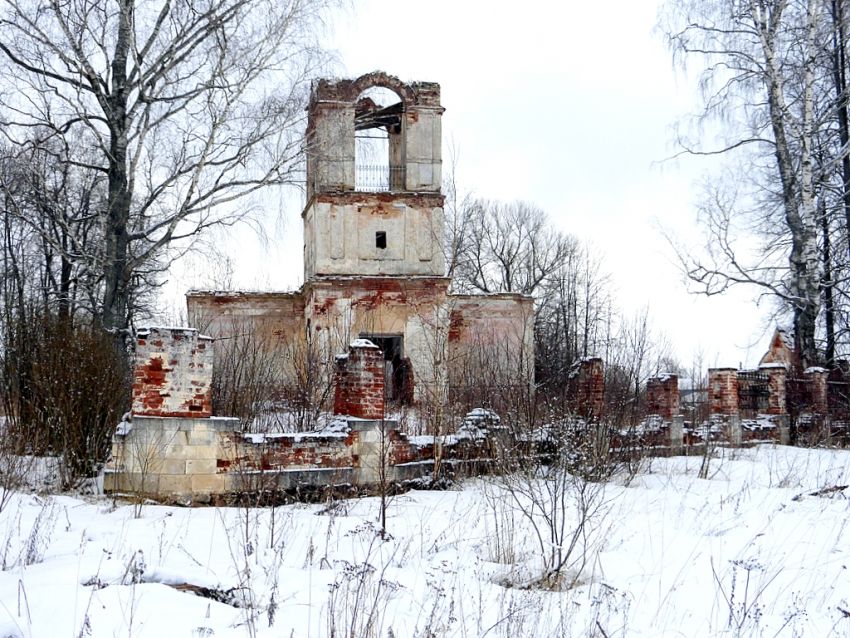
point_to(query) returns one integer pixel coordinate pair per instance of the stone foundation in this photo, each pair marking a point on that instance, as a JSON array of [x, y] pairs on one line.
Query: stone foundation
[[174, 458]]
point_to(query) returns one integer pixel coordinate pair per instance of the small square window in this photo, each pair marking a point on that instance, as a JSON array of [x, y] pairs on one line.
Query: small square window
[[381, 239]]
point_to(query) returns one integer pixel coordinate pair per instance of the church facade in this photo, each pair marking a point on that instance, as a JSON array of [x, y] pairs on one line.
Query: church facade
[[374, 254]]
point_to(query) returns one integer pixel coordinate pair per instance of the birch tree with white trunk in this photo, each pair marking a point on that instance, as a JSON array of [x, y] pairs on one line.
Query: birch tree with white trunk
[[760, 77]]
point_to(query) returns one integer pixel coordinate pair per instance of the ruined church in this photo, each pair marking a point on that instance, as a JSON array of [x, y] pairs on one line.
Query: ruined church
[[374, 253]]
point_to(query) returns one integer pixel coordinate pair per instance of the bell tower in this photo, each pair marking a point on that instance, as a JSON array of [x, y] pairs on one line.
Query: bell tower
[[374, 199]]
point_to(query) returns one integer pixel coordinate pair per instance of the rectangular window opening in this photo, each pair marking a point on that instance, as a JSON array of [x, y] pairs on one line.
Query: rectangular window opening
[[381, 239]]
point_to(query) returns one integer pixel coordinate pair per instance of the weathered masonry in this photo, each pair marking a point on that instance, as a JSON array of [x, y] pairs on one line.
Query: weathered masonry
[[374, 264], [170, 450]]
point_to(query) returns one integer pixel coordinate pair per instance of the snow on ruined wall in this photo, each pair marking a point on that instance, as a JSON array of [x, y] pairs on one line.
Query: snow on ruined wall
[[586, 389], [662, 396], [723, 391], [819, 388], [777, 387], [781, 349], [359, 384], [172, 374]]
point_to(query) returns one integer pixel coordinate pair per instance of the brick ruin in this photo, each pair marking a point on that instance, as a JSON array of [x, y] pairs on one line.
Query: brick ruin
[[359, 387], [586, 388], [771, 403], [375, 290], [173, 449], [172, 375], [374, 265], [662, 396]]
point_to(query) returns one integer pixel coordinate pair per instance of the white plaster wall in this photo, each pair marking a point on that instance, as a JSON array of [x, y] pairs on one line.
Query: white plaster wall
[[333, 148], [341, 239]]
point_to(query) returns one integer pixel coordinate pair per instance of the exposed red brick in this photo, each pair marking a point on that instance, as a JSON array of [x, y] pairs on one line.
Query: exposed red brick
[[819, 387], [359, 389], [586, 389], [180, 389], [662, 396], [723, 391], [776, 383]]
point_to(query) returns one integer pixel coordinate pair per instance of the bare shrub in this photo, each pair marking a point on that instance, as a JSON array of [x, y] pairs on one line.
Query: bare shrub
[[560, 494], [64, 388], [41, 534], [361, 591], [14, 469], [247, 372], [269, 383], [311, 382]]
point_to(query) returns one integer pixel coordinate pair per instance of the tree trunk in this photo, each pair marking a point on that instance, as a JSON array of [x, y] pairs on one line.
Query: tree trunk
[[839, 76], [827, 287], [116, 271], [804, 280]]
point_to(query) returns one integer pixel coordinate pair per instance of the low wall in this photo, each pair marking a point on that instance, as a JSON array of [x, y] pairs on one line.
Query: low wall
[[197, 460], [170, 457]]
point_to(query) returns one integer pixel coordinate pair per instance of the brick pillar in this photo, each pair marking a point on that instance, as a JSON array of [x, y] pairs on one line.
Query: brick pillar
[[662, 396], [776, 378], [359, 390], [172, 375], [819, 378], [723, 391], [589, 388]]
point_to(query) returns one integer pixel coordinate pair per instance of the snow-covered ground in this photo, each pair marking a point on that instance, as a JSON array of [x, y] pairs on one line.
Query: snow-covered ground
[[749, 551]]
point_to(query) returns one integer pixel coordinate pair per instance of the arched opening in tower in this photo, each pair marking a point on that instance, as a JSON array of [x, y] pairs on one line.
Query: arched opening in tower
[[378, 132]]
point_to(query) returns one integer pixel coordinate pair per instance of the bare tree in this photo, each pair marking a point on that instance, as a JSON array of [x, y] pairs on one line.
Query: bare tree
[[506, 247], [185, 108], [761, 61], [49, 211], [635, 353], [559, 496], [571, 319]]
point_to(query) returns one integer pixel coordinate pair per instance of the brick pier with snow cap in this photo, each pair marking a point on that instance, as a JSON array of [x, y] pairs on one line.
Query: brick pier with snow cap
[[359, 390], [172, 449]]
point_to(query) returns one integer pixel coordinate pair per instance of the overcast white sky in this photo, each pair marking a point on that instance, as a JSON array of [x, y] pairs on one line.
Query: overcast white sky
[[565, 104]]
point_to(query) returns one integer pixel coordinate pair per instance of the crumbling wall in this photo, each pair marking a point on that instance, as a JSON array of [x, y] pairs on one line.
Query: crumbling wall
[[341, 309], [777, 387], [586, 388], [359, 387], [265, 315], [173, 458], [173, 373], [278, 451], [819, 378], [723, 391], [662, 396], [490, 341], [330, 132], [781, 350]]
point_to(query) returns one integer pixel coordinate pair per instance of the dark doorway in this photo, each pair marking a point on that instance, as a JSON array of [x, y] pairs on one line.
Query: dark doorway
[[398, 377]]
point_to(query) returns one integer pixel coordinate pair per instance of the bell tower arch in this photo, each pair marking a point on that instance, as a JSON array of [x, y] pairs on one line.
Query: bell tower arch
[[374, 214]]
